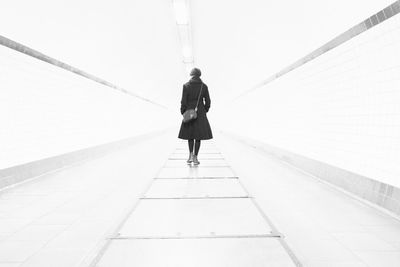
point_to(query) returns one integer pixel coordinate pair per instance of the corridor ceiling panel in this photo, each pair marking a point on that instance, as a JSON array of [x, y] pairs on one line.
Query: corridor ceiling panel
[[132, 44], [136, 45], [239, 43]]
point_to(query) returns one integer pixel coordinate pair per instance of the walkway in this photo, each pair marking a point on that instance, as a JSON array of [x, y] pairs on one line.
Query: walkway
[[143, 206], [196, 216]]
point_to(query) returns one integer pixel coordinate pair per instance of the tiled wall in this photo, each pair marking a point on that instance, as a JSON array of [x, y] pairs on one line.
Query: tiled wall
[[16, 174], [340, 106], [47, 111], [378, 193]]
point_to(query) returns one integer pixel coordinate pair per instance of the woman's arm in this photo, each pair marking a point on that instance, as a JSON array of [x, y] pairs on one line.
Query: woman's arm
[[207, 99], [184, 100]]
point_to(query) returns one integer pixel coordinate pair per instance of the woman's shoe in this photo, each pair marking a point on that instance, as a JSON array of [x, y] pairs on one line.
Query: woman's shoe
[[190, 159], [195, 160]]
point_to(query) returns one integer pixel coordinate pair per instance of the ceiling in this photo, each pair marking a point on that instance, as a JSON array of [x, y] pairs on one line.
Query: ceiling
[[135, 43]]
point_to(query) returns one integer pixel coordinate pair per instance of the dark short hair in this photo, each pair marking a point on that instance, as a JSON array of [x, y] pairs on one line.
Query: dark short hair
[[195, 72]]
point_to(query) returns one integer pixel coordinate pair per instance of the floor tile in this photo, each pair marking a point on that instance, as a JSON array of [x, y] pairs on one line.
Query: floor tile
[[12, 251], [379, 258], [194, 217], [332, 263], [195, 188], [200, 156], [204, 163], [363, 241], [195, 172], [37, 232], [56, 258], [326, 250], [196, 253]]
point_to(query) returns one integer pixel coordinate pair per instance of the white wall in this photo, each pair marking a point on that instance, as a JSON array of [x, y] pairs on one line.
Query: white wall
[[46, 111], [342, 108], [239, 43], [133, 44]]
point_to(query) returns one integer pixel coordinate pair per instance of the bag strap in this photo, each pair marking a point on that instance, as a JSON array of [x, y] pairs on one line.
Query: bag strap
[[201, 88]]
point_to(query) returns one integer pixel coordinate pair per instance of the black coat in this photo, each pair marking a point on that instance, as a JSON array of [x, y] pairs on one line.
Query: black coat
[[199, 128]]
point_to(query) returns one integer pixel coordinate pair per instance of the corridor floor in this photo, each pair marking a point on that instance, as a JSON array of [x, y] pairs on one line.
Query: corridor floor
[[240, 207], [196, 216]]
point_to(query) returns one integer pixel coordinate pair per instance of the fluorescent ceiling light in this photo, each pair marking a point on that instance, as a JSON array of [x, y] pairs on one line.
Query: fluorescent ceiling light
[[181, 9], [181, 12], [187, 52]]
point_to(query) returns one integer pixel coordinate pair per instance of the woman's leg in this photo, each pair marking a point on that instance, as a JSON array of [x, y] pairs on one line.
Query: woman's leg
[[196, 152], [190, 143], [197, 147]]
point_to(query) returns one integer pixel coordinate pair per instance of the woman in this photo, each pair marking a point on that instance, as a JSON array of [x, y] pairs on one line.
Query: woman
[[199, 129]]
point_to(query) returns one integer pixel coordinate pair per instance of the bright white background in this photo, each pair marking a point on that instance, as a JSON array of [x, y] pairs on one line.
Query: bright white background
[[47, 111], [341, 108], [134, 43], [346, 119]]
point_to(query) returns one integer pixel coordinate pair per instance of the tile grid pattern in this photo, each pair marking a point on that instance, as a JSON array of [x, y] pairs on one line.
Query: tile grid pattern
[[376, 192], [189, 183], [368, 23], [323, 226], [44, 111], [341, 108], [20, 173]]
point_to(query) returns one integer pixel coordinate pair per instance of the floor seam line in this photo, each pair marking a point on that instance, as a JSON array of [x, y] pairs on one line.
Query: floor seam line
[[196, 237], [183, 198]]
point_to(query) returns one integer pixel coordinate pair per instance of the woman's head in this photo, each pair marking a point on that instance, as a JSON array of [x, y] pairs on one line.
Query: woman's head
[[195, 72]]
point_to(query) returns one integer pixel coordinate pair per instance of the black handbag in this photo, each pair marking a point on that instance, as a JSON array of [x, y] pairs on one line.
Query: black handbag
[[191, 114]]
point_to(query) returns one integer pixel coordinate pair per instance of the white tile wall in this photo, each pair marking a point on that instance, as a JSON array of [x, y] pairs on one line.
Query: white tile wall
[[342, 108], [46, 111]]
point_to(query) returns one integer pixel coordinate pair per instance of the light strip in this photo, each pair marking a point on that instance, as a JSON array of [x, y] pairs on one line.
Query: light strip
[[181, 12], [187, 51], [182, 17]]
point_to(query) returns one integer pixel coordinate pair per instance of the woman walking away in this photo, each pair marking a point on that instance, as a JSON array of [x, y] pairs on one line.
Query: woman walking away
[[195, 94]]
